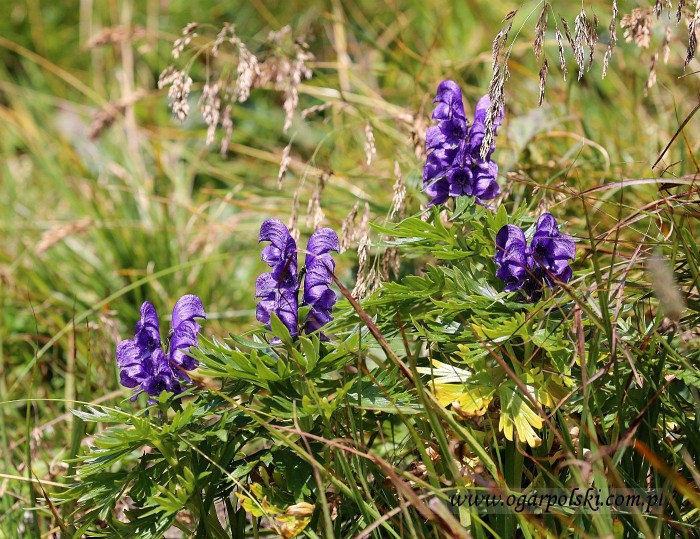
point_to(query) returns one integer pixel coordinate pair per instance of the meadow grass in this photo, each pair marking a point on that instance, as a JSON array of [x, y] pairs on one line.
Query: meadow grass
[[93, 227]]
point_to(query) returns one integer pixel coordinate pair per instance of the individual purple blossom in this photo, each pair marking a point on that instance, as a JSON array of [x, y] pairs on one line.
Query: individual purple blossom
[[546, 259], [454, 166], [279, 288], [449, 101], [319, 277], [143, 363]]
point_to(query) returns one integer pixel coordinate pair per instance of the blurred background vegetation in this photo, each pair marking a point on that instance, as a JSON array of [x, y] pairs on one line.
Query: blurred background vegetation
[[92, 226]]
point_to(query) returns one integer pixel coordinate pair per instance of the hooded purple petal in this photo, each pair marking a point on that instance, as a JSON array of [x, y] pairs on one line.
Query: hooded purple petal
[[160, 375], [460, 180], [449, 101], [129, 361], [274, 231], [281, 254], [321, 242], [447, 134], [287, 309], [438, 190], [148, 314], [436, 165], [185, 331], [281, 301], [147, 333], [186, 309], [547, 224], [508, 236], [485, 186], [185, 336]]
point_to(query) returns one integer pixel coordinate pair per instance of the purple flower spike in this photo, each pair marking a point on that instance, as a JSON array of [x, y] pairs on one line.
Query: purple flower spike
[[278, 288], [142, 362], [546, 259], [454, 166], [319, 277]]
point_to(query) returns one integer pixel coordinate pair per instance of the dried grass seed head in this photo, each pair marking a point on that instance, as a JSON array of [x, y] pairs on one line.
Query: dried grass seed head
[[210, 107], [638, 25], [581, 38], [540, 30], [284, 164], [370, 147], [399, 194], [347, 228], [692, 34], [227, 126], [496, 95], [612, 29], [543, 80], [188, 34]]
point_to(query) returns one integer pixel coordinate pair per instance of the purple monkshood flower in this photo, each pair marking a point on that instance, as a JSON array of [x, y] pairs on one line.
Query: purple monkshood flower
[[454, 166], [546, 259], [279, 288], [144, 364]]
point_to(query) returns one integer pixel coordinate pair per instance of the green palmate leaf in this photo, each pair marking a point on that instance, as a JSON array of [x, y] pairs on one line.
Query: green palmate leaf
[[293, 472], [383, 392], [500, 330], [467, 400], [551, 341], [468, 393], [445, 373], [548, 389]]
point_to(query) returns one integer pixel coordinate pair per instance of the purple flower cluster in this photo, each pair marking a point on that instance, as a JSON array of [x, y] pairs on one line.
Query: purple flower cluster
[[144, 364], [546, 259], [454, 166], [279, 288]]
